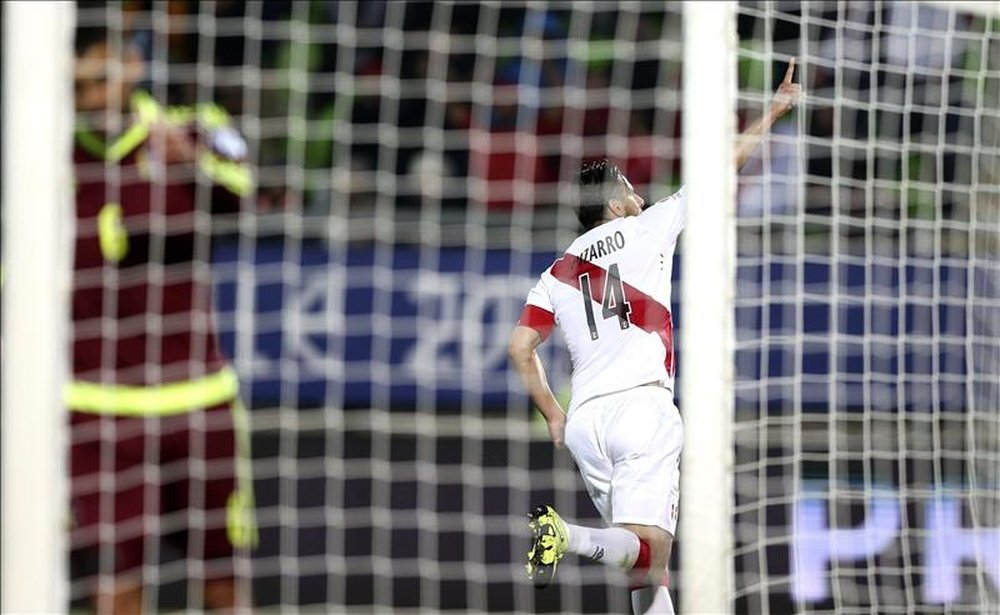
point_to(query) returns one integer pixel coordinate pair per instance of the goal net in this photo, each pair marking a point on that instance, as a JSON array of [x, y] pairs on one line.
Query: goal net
[[867, 430], [413, 167]]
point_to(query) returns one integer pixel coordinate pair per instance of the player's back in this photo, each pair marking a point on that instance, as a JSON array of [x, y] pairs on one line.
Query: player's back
[[610, 294]]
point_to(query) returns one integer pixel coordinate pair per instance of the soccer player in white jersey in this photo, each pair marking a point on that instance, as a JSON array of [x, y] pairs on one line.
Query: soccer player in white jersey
[[610, 295]]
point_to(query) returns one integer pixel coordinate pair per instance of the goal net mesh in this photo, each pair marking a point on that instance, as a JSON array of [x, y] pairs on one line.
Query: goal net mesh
[[867, 429], [414, 167]]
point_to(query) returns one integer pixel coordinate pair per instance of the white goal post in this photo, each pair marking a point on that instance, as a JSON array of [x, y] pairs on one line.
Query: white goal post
[[708, 281], [37, 129]]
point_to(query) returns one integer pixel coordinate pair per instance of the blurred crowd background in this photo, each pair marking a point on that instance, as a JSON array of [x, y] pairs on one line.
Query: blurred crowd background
[[456, 102]]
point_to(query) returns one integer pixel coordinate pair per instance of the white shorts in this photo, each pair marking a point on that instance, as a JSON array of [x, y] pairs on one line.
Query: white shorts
[[628, 448]]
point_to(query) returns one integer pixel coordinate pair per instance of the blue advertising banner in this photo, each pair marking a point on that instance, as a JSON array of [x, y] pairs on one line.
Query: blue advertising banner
[[368, 325], [854, 333], [404, 327]]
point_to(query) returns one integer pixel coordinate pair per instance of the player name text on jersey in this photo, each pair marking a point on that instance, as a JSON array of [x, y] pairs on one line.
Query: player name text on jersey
[[603, 247]]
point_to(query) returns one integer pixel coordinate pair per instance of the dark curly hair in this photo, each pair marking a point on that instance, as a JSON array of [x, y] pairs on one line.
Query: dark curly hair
[[89, 36], [599, 181]]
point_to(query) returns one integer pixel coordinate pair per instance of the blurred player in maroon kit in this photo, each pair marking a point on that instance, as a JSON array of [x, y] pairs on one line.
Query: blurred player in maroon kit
[[159, 447]]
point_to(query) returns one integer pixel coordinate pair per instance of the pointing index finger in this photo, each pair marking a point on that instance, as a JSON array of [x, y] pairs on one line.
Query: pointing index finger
[[790, 71]]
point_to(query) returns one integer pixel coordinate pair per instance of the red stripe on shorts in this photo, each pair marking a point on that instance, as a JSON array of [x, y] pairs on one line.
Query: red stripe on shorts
[[646, 313]]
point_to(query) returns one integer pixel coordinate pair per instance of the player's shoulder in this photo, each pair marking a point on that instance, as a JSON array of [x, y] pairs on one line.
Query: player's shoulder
[[677, 197], [666, 213]]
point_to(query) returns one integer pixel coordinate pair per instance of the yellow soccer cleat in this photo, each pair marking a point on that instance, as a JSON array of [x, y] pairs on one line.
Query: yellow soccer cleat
[[549, 541]]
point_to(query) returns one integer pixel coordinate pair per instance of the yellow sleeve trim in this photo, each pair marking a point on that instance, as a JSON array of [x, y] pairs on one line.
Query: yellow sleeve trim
[[233, 176], [208, 115], [212, 116], [126, 143]]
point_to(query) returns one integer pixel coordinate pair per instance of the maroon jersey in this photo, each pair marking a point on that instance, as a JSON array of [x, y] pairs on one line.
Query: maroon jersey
[[142, 295]]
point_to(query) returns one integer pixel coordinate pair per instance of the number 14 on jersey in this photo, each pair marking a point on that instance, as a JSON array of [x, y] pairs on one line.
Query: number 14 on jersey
[[613, 303]]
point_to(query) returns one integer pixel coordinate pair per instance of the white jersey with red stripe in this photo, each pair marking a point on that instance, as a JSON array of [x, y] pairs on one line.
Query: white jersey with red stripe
[[610, 295]]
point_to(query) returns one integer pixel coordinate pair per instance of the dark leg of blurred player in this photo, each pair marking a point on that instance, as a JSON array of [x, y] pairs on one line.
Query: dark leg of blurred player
[[122, 599], [125, 599], [220, 595]]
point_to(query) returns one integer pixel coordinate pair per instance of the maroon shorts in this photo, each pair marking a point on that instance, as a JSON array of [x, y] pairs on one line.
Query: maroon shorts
[[139, 481]]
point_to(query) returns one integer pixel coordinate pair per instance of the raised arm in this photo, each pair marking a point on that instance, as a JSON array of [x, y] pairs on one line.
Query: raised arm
[[205, 136], [786, 96], [523, 342]]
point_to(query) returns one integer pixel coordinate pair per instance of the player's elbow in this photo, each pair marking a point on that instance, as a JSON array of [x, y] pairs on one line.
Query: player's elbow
[[517, 351], [520, 349]]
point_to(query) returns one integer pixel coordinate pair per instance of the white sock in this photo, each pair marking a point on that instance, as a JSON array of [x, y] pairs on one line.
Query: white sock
[[652, 600], [641, 599], [614, 546]]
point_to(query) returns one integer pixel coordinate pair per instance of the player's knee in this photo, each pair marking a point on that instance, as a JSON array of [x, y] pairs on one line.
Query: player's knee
[[658, 539], [657, 543], [659, 547]]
